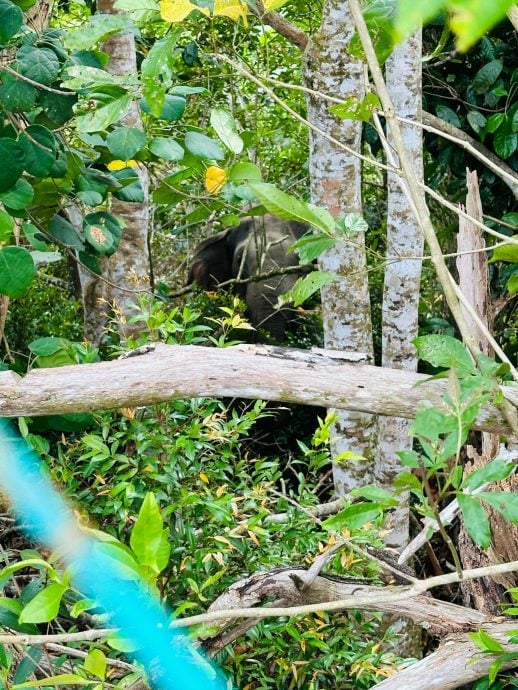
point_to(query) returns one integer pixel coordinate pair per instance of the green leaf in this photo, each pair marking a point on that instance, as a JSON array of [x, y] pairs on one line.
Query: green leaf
[[353, 517], [376, 494], [445, 352], [157, 72], [507, 252], [19, 196], [11, 19], [241, 173], [409, 458], [504, 502], [17, 271], [146, 535], [39, 145], [494, 122], [486, 76], [512, 284], [102, 231], [39, 64], [6, 226], [45, 347], [166, 148], [476, 120], [312, 246], [494, 471], [505, 142], [95, 663], [289, 207], [203, 147], [353, 109], [131, 189], [101, 118], [226, 128], [471, 19], [125, 142], [475, 520], [64, 232], [56, 681], [13, 158], [17, 96], [448, 115], [485, 642], [172, 109], [430, 423], [307, 286], [98, 28], [44, 606]]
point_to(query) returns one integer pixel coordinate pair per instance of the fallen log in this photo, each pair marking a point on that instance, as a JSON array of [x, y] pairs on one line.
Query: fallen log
[[166, 372]]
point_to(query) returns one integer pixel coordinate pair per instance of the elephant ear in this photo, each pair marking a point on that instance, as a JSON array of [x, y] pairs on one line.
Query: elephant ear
[[212, 262]]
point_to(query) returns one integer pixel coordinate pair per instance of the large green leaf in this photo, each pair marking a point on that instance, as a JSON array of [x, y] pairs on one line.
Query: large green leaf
[[146, 535], [157, 72], [226, 128], [166, 148], [125, 142], [503, 501], [97, 28], [244, 172], [507, 252], [102, 231], [39, 64], [6, 226], [17, 271], [475, 520], [11, 19], [101, 118], [44, 606], [172, 109], [494, 471], [505, 142], [19, 196], [64, 232], [354, 517], [39, 146], [290, 208], [486, 76], [307, 286], [131, 189], [203, 146], [13, 158], [17, 95], [444, 351]]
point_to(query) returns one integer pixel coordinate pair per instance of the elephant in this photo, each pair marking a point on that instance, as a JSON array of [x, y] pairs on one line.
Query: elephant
[[257, 245]]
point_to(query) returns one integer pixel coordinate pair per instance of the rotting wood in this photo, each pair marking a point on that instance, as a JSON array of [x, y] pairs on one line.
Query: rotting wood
[[171, 372]]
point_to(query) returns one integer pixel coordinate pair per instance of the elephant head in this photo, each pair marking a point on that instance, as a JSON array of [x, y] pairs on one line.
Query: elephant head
[[257, 245]]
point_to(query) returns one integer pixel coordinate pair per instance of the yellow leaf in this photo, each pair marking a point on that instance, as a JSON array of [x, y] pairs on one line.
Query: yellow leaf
[[120, 165], [178, 10], [215, 178], [270, 5], [234, 9], [203, 477]]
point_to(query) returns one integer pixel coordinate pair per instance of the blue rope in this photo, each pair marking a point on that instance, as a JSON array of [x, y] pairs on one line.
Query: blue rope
[[168, 656]]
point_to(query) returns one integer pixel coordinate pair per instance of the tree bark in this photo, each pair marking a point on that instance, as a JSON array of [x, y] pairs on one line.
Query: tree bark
[[336, 185], [474, 283], [127, 271], [168, 372], [402, 276]]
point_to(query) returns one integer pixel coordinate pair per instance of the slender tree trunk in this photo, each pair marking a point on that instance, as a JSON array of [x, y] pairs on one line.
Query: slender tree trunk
[[336, 185], [402, 276], [485, 594], [127, 271]]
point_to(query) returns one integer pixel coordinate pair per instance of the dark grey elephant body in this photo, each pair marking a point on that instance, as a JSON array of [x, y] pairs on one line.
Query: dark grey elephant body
[[258, 245]]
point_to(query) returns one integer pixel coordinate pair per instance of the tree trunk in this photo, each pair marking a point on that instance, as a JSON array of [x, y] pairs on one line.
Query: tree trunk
[[336, 184], [402, 276], [484, 595], [127, 271]]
